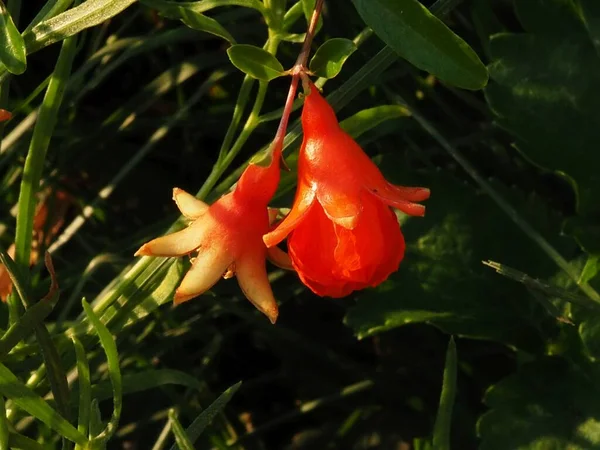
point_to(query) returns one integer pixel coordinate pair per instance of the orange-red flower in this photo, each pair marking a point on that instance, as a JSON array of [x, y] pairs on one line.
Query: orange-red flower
[[343, 235], [228, 238]]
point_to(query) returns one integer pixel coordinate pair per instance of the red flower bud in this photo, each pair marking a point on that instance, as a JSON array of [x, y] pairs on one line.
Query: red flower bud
[[228, 238], [343, 235]]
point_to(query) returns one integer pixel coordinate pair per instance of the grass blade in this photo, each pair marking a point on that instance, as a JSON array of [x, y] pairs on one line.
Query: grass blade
[[114, 371], [443, 421], [3, 426], [34, 163], [85, 389], [200, 423], [181, 438], [26, 399]]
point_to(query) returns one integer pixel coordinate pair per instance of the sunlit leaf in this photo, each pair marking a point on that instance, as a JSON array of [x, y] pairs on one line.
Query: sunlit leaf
[[255, 61], [422, 39], [12, 46], [330, 57]]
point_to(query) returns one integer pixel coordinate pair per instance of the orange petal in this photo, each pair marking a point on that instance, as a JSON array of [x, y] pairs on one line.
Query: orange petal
[[412, 209], [280, 258], [176, 244], [301, 206], [190, 206], [252, 278], [341, 207], [208, 268], [412, 194]]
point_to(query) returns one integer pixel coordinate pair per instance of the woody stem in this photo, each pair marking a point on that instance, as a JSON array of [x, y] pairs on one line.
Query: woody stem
[[296, 71]]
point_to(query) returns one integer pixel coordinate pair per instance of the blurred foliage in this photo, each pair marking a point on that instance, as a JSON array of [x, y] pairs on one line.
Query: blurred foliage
[[152, 101]]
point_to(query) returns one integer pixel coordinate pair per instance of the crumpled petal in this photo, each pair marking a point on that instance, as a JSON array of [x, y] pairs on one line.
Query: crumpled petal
[[190, 206], [252, 277], [208, 268], [176, 244], [342, 207], [302, 204]]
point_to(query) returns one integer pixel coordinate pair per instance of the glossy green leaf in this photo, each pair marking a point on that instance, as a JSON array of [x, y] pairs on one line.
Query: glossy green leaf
[[193, 19], [12, 388], [88, 14], [367, 119], [443, 420], [200, 423], [548, 404], [331, 56], [114, 371], [255, 61], [422, 39], [12, 46]]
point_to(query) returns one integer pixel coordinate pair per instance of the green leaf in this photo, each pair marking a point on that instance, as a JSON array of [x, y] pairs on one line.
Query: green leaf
[[367, 119], [443, 420], [544, 92], [331, 56], [88, 14], [85, 388], [255, 61], [308, 6], [441, 280], [112, 357], [146, 380], [590, 10], [26, 399], [202, 6], [422, 39], [193, 19], [4, 434], [12, 46], [181, 438], [547, 404], [200, 423]]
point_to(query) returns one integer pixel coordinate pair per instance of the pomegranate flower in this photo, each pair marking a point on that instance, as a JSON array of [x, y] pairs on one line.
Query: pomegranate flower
[[343, 235], [227, 237]]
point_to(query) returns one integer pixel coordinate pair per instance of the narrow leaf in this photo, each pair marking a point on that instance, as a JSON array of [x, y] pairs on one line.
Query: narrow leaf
[[441, 429], [368, 119], [187, 14], [255, 61], [422, 39], [85, 388], [331, 56], [146, 380], [110, 348], [26, 399], [194, 431], [181, 438], [4, 436], [12, 47], [18, 441], [88, 14]]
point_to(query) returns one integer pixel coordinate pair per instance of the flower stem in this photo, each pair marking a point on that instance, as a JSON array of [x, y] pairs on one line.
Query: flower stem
[[296, 71]]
